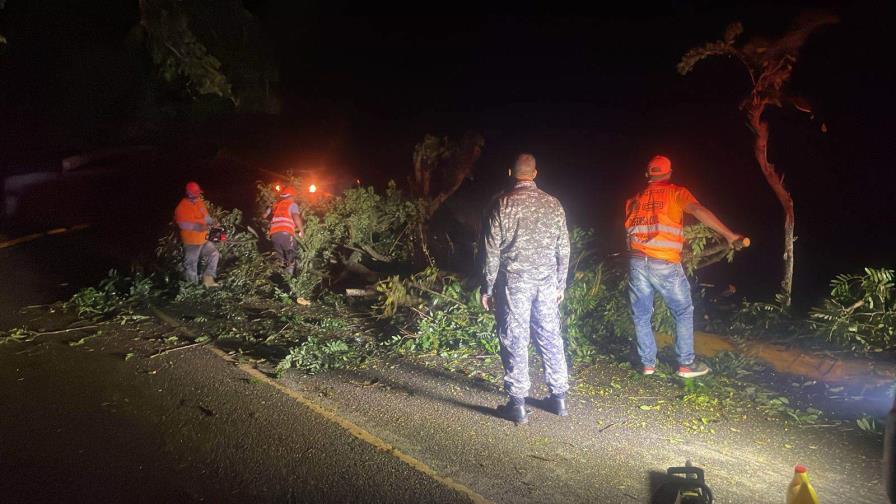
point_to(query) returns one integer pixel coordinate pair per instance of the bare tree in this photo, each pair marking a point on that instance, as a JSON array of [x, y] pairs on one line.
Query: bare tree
[[769, 64], [441, 165]]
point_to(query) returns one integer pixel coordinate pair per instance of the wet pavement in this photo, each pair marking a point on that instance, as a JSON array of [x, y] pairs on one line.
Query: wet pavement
[[613, 448], [103, 421], [88, 423]]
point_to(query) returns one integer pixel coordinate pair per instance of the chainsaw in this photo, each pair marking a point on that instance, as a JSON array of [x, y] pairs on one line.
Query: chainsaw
[[216, 235], [684, 485]]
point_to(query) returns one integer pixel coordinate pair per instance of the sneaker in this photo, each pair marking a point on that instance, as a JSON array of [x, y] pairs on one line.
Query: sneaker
[[693, 370], [648, 370]]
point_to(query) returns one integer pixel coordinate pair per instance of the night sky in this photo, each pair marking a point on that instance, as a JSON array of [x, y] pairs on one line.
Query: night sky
[[592, 94]]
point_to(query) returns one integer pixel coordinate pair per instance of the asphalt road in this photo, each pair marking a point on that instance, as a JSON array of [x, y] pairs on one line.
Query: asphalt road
[[614, 447], [85, 423]]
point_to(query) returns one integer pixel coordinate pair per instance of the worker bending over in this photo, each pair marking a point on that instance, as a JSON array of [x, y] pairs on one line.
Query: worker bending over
[[193, 220]]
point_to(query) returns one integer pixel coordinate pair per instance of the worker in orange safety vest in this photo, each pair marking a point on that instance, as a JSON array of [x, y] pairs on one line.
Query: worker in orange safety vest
[[286, 225], [654, 228], [193, 220]]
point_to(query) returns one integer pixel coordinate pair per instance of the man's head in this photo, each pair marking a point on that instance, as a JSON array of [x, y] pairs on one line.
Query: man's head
[[193, 190], [524, 168], [659, 168]]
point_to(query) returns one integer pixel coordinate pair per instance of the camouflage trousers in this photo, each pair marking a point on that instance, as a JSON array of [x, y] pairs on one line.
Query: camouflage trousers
[[524, 305]]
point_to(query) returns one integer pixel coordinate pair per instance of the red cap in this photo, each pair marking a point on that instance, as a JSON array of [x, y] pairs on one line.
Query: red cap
[[800, 468], [289, 191], [193, 189], [659, 165]]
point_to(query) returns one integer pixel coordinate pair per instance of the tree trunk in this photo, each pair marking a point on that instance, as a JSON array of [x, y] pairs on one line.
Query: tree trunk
[[461, 168], [776, 182]]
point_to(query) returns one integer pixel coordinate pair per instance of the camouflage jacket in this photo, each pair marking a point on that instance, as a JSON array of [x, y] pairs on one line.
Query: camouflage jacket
[[526, 237]]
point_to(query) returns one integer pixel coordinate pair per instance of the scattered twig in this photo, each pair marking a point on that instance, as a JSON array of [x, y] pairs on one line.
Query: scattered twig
[[368, 292], [420, 313], [34, 307], [174, 349], [61, 331], [607, 427], [397, 238], [439, 294], [539, 457]]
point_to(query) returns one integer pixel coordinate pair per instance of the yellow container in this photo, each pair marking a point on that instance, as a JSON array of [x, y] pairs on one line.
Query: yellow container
[[800, 490]]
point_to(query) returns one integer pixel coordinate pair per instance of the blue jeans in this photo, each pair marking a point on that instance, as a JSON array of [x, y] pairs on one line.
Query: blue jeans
[[647, 276]]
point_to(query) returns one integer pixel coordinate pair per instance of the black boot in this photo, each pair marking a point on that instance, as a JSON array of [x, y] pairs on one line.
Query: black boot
[[558, 404], [514, 410]]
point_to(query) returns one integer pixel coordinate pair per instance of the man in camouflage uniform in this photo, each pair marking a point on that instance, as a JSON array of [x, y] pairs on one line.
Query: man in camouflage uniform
[[526, 262]]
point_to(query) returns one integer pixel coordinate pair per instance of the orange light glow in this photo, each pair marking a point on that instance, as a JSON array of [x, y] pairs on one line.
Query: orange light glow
[[312, 188]]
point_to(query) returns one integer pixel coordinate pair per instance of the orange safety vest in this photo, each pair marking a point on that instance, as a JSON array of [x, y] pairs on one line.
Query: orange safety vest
[[193, 212], [654, 221], [281, 219]]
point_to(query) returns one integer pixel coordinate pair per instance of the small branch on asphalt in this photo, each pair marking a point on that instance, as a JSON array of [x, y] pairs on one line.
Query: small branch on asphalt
[[539, 457], [62, 331], [182, 347], [602, 429], [368, 292], [34, 307]]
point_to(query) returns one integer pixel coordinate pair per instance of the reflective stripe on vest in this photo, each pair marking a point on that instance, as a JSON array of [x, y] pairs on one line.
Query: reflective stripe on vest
[[653, 229], [661, 244], [653, 223], [281, 221]]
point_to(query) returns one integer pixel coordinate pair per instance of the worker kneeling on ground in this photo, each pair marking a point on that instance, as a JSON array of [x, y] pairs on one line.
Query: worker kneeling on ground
[[193, 220], [526, 262], [286, 224], [654, 226]]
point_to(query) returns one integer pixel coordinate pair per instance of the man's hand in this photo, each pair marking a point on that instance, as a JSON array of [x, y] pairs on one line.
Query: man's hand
[[737, 241], [486, 301], [301, 234], [192, 226], [560, 297]]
